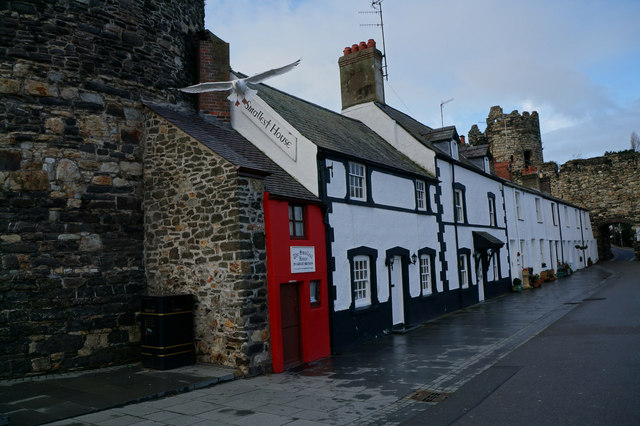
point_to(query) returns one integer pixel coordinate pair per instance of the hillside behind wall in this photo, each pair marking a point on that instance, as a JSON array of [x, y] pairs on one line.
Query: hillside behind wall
[[608, 186], [72, 77]]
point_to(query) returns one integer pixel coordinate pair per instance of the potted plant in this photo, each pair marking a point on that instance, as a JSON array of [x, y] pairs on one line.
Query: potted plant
[[536, 281], [517, 285]]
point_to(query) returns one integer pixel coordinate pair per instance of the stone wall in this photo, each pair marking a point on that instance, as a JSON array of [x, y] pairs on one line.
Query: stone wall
[[608, 186], [509, 137], [72, 77], [204, 235]]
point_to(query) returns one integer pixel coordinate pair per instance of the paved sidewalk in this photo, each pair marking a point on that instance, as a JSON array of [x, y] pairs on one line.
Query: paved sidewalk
[[38, 400], [370, 384]]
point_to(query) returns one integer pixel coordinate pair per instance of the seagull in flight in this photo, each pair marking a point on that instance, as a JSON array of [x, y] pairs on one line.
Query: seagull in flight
[[239, 88]]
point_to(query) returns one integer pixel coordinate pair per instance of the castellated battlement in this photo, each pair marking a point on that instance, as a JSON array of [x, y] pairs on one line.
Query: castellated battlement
[[514, 140]]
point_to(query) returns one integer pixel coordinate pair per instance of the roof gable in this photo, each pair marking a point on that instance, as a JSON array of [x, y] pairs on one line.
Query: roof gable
[[233, 147]]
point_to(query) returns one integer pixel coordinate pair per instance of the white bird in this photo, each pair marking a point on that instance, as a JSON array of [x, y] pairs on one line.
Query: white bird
[[239, 88]]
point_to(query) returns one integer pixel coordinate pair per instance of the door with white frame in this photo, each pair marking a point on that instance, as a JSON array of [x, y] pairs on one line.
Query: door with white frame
[[397, 290]]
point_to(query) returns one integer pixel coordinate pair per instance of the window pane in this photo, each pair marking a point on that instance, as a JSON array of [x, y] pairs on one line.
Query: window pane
[[361, 282], [299, 229], [356, 181], [314, 291], [425, 274]]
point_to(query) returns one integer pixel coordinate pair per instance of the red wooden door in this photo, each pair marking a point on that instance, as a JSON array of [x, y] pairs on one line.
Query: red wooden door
[[290, 314]]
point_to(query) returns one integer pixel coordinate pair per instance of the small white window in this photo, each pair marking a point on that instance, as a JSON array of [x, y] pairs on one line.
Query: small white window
[[566, 216], [464, 271], [421, 195], [458, 199], [425, 274], [519, 206], [492, 211], [553, 214], [361, 281], [454, 149], [487, 166], [494, 265], [538, 210], [357, 182], [577, 218]]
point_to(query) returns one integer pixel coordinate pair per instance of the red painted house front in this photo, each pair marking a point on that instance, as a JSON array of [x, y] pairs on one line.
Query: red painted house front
[[297, 280]]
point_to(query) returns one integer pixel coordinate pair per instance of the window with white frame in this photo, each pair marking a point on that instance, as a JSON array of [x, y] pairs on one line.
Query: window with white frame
[[425, 275], [361, 281], [357, 182], [542, 257], [487, 165], [464, 270], [577, 218], [519, 206], [566, 216], [454, 149], [492, 210], [538, 210], [553, 214], [421, 195], [458, 201]]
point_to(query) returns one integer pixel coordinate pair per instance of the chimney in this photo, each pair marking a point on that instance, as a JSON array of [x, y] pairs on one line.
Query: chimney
[[361, 74], [213, 65], [463, 140], [531, 178]]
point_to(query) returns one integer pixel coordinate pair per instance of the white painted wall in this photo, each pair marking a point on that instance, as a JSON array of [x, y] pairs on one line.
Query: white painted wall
[[302, 167], [568, 233], [381, 229], [394, 134]]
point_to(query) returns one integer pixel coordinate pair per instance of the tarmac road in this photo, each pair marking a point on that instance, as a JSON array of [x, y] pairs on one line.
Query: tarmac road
[[582, 370]]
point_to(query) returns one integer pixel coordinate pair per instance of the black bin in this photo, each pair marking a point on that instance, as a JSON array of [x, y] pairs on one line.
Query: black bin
[[167, 331]]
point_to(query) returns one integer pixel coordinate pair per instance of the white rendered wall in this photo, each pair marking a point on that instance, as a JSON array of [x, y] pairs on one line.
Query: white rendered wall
[[394, 134], [302, 166], [378, 228]]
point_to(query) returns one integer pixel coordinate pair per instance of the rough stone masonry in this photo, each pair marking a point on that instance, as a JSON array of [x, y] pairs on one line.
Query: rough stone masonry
[[72, 78]]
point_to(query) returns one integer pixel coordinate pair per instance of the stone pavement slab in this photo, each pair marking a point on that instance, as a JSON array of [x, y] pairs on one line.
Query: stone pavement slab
[[39, 400]]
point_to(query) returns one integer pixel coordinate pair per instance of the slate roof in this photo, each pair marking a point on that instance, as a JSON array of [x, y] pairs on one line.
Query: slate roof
[[233, 147], [474, 151], [337, 133], [426, 135]]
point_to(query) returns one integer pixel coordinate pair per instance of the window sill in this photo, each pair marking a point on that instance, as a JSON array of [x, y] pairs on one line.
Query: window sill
[[364, 310]]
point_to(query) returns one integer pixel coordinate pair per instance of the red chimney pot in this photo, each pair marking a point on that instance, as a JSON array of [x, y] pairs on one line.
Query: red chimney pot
[[346, 50], [371, 43], [354, 47], [363, 45]]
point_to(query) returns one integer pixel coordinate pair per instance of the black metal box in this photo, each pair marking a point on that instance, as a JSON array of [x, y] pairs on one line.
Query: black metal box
[[167, 331]]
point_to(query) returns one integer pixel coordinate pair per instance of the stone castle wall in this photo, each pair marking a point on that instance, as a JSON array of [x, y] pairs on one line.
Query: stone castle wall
[[204, 235], [608, 186], [72, 77], [509, 136]]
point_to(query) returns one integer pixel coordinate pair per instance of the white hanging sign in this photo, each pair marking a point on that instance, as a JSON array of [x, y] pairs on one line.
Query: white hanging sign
[[275, 131], [303, 259]]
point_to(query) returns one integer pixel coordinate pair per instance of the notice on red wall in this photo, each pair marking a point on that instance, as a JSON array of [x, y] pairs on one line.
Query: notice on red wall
[[303, 259]]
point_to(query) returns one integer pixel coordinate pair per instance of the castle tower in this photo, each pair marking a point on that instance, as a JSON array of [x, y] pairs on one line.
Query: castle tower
[[73, 79], [514, 141]]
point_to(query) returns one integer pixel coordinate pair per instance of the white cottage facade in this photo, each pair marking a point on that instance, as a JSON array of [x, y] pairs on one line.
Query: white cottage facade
[[413, 228]]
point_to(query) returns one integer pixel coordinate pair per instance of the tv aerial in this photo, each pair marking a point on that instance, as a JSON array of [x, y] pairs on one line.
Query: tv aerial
[[377, 6]]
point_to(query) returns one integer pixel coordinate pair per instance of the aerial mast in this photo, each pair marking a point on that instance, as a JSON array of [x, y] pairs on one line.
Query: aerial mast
[[377, 6]]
